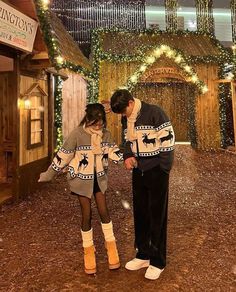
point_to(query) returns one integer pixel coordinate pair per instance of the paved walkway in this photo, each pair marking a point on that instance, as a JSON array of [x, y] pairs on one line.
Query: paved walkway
[[40, 242]]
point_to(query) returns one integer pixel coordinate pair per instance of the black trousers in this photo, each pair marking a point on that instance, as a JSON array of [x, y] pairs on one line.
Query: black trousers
[[150, 202]]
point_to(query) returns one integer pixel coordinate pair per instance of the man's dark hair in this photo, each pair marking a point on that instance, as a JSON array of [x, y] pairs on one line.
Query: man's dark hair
[[120, 100]]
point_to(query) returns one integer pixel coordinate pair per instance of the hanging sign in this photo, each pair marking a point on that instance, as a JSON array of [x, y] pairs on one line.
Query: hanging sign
[[162, 72], [16, 29]]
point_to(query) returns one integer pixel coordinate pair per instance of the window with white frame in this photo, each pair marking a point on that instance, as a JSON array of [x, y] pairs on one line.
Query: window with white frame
[[35, 120]]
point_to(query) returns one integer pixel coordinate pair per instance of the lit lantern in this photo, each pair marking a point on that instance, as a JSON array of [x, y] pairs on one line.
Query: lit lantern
[[27, 104]]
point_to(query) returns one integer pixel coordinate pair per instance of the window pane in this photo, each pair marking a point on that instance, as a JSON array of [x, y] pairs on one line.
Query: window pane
[[36, 120], [35, 114], [36, 129]]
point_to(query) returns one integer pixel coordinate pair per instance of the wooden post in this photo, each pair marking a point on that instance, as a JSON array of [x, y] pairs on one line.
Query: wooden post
[[233, 89]]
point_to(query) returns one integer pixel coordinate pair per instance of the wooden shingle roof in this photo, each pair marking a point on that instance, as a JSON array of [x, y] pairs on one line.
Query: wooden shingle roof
[[130, 43], [67, 47]]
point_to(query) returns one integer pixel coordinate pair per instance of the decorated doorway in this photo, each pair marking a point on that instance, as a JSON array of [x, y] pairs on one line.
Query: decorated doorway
[[176, 99]]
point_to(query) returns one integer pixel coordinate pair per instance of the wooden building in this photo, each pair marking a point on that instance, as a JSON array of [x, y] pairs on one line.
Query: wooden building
[[27, 78], [180, 72]]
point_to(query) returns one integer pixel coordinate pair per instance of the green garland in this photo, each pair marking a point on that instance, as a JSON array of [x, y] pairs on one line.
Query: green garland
[[225, 57], [50, 39], [99, 55], [58, 112]]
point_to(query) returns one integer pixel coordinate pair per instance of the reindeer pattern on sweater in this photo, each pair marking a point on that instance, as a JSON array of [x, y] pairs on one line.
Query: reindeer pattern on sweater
[[76, 154], [155, 139], [152, 140]]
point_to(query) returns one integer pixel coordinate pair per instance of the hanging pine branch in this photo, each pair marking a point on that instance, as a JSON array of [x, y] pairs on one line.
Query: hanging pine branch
[[205, 20], [171, 15]]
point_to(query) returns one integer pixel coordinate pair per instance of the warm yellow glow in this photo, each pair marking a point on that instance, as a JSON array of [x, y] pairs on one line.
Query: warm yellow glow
[[170, 53], [143, 68], [60, 59], [234, 48], [178, 59], [24, 103], [20, 103], [45, 3], [194, 78], [150, 60], [204, 89], [157, 52], [134, 78], [187, 68], [164, 48], [27, 104]]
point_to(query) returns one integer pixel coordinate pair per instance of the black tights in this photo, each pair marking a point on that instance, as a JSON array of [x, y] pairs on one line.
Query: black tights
[[85, 204]]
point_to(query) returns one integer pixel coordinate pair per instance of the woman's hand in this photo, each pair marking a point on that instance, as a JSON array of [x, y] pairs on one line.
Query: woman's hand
[[44, 177]]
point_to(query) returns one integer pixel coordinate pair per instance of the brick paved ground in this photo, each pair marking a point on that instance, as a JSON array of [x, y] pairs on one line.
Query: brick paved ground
[[40, 242]]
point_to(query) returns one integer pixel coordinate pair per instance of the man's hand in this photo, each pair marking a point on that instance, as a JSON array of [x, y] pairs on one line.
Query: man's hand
[[130, 163]]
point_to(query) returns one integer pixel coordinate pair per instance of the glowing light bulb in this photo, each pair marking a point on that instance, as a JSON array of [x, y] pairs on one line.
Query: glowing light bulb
[[45, 4], [157, 52], [134, 78], [143, 68], [20, 103], [60, 59], [187, 68], [194, 78], [178, 59], [27, 104], [170, 53], [204, 89], [150, 60], [164, 48]]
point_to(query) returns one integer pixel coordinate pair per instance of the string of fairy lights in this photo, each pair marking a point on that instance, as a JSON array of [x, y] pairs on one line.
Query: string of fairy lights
[[144, 57], [59, 62], [178, 58]]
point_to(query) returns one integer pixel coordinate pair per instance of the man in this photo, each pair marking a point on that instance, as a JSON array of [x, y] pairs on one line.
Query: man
[[149, 152]]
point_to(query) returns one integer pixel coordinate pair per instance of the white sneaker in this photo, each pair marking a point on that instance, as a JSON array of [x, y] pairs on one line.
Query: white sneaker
[[153, 273], [136, 264]]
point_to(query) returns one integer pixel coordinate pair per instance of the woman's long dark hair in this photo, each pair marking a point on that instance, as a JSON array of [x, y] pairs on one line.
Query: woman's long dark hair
[[95, 112]]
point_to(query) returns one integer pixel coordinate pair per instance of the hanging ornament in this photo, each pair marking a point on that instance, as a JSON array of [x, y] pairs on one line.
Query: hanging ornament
[[205, 20], [81, 17], [233, 19], [171, 15]]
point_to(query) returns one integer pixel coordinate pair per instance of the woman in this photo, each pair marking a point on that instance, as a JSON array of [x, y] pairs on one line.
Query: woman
[[85, 153]]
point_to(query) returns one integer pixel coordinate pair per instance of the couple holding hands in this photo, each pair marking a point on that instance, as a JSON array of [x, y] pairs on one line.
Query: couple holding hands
[[148, 152]]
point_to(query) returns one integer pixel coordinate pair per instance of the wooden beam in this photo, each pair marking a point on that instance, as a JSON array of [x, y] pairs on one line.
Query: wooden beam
[[40, 56], [233, 90], [224, 81], [62, 72], [37, 65]]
